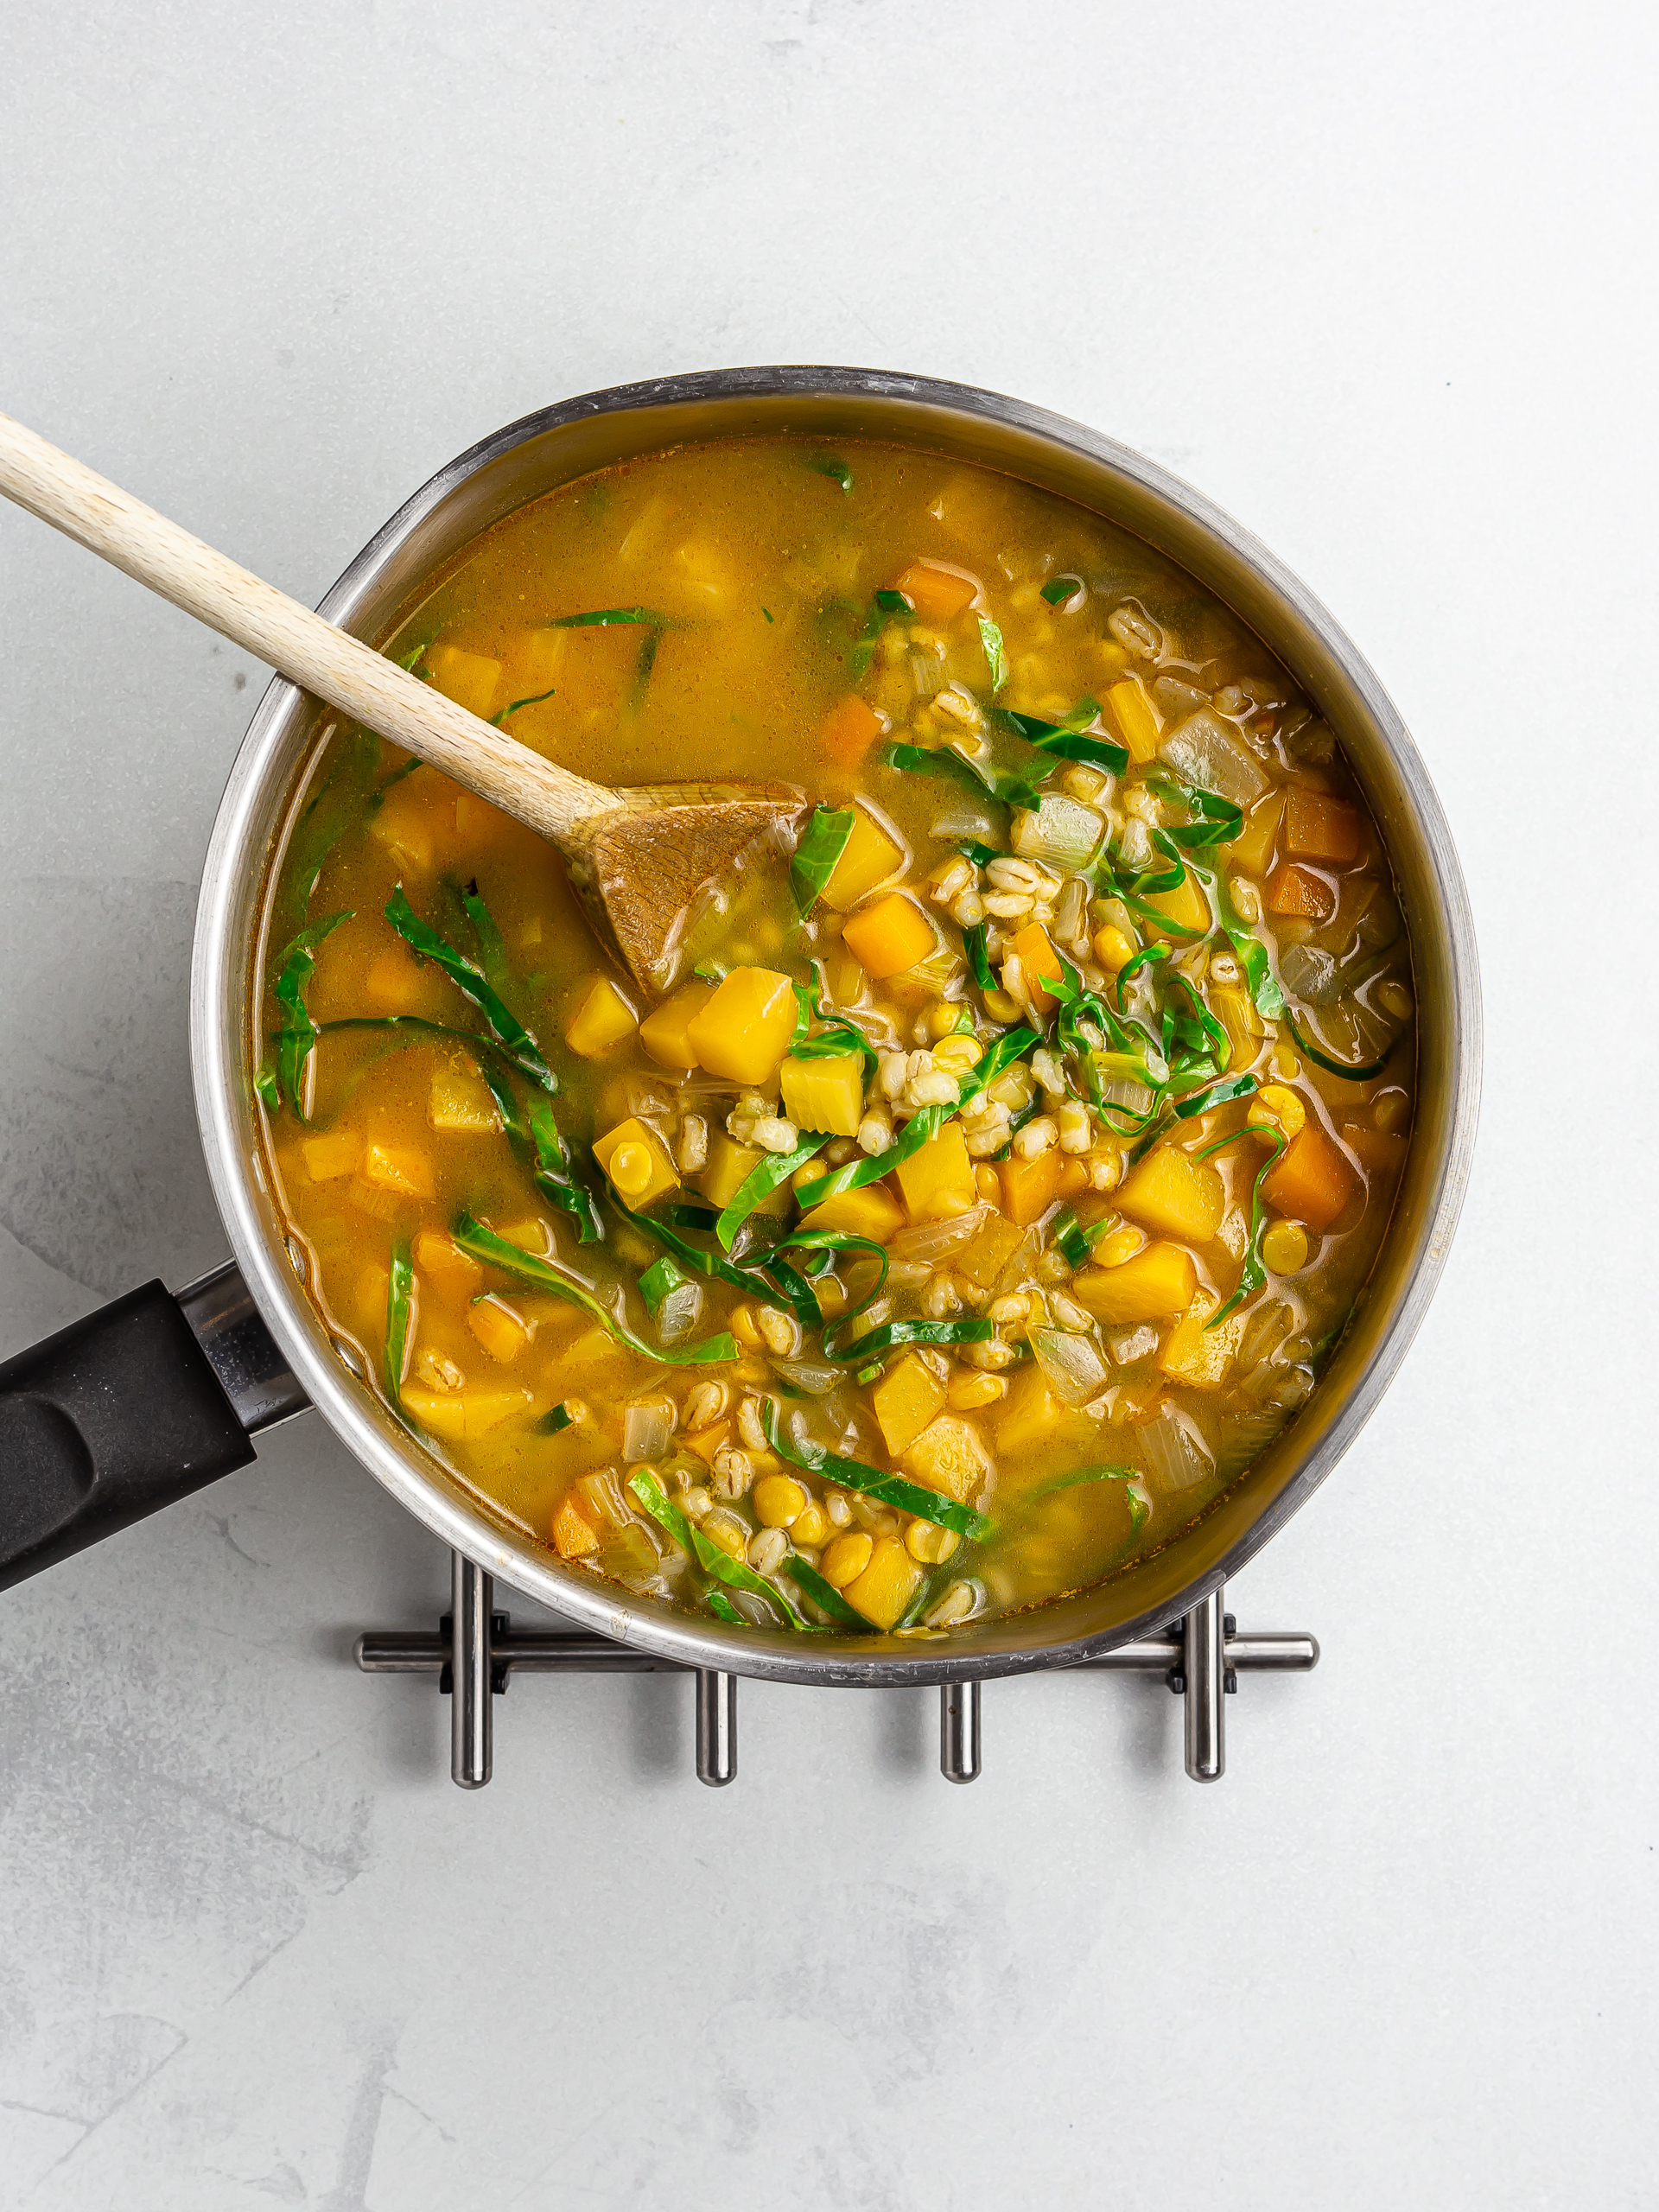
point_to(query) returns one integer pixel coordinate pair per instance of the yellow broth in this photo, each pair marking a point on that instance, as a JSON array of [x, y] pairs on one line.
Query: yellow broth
[[1114, 1268]]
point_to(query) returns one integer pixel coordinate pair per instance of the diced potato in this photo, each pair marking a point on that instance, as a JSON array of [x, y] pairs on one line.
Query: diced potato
[[1174, 1195], [1030, 1186], [665, 1032], [1038, 959], [440, 1261], [396, 982], [334, 1153], [601, 1021], [403, 823], [1201, 1358], [1186, 907], [937, 592], [872, 1212], [1136, 719], [826, 1095], [889, 937], [1320, 828], [573, 1534], [706, 1442], [1032, 1418], [905, 1399], [849, 731], [369, 1297], [870, 855], [1157, 1281], [937, 1181], [1234, 1009], [500, 1328], [886, 1585], [1310, 1181], [461, 1104], [636, 1160], [1252, 849], [470, 679], [399, 1168], [729, 1166], [949, 1457], [746, 1026], [1298, 891], [981, 1262], [460, 1416], [594, 1347]]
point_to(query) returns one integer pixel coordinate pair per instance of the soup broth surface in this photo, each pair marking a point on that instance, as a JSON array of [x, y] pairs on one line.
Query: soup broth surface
[[990, 1188]]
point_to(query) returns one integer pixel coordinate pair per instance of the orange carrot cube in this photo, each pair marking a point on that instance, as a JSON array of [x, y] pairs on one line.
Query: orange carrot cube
[[1038, 959], [1320, 828], [1311, 1182], [1298, 892], [937, 592], [849, 731]]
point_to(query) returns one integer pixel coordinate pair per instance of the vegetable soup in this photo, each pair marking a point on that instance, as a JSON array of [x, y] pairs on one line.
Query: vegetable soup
[[992, 1183]]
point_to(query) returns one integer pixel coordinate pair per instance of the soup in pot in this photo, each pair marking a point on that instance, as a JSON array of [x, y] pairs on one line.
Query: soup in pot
[[992, 1184]]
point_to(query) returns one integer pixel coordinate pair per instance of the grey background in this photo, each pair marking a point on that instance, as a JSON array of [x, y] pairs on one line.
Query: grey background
[[1381, 283]]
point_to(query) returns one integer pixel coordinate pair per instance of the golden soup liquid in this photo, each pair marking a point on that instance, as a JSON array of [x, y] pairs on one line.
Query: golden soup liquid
[[991, 1187]]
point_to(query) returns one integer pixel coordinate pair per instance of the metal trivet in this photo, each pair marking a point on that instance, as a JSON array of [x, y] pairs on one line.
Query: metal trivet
[[477, 1650]]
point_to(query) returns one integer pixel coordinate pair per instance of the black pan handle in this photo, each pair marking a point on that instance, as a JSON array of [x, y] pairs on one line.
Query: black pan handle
[[139, 1404]]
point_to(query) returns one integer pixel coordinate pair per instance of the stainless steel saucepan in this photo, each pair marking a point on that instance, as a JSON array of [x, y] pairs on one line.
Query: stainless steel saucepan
[[154, 1395]]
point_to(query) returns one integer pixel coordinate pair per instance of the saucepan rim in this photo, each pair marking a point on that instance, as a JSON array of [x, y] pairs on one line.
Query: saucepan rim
[[238, 856]]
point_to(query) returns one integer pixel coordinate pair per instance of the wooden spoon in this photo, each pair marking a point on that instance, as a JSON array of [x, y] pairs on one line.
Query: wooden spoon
[[642, 859]]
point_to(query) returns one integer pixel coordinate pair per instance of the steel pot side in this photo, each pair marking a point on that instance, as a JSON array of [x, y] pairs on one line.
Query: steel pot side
[[560, 443]]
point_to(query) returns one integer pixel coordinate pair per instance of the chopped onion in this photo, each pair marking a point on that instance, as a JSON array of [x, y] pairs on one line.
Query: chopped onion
[[813, 1376], [1174, 1453], [1072, 1364], [963, 823], [647, 1430], [1206, 752], [678, 1314], [931, 1242], [1063, 831]]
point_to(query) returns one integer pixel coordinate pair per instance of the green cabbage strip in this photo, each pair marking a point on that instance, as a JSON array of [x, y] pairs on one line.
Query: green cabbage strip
[[979, 960], [400, 1291], [534, 1136], [1339, 1067], [1254, 1272], [497, 721], [915, 1499], [537, 1275], [492, 952], [1070, 740], [825, 464], [294, 1039], [985, 783], [996, 658], [608, 617], [922, 1126], [892, 1334], [716, 1600], [822, 844], [515, 1040], [705, 1551], [758, 1184], [553, 1419], [1187, 1109], [806, 1578], [662, 1276]]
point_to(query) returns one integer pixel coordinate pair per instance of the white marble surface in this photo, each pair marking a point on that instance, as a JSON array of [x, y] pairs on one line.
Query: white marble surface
[[1381, 283]]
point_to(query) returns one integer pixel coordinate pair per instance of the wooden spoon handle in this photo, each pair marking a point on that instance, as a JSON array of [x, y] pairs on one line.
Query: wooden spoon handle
[[292, 639]]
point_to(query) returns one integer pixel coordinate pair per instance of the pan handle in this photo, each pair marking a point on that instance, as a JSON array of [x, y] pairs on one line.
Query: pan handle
[[120, 1414]]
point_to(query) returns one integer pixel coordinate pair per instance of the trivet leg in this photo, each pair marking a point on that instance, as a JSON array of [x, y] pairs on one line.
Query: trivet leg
[[716, 1727], [471, 1707], [959, 1731], [1204, 1667]]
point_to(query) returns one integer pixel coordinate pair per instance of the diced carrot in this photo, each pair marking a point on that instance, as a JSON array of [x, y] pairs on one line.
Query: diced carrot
[[573, 1536], [707, 1441], [1311, 1182], [848, 732], [1030, 1186], [440, 1261], [1298, 891], [938, 592], [1320, 828], [1038, 959], [1380, 1151], [890, 936]]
